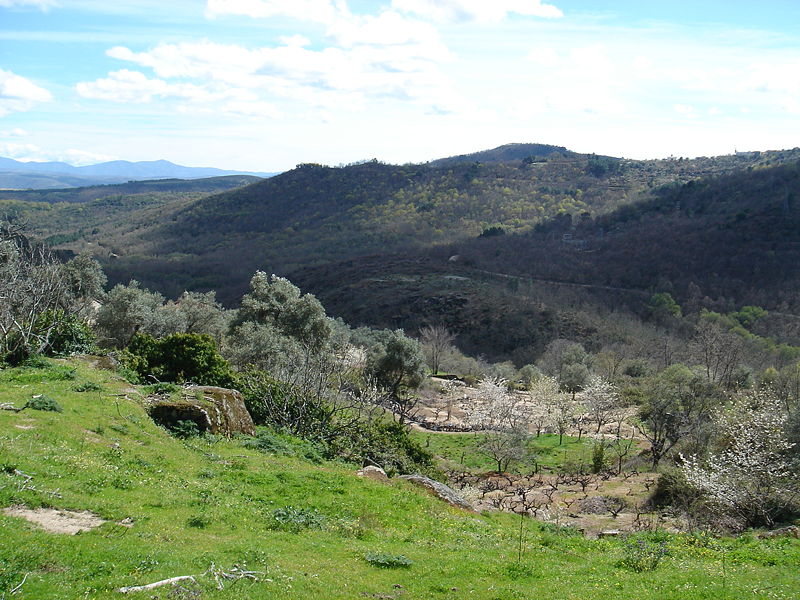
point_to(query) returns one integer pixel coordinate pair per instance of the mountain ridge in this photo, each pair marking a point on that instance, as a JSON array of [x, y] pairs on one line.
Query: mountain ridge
[[16, 174]]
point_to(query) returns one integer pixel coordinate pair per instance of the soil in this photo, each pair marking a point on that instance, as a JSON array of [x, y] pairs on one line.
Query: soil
[[57, 521]]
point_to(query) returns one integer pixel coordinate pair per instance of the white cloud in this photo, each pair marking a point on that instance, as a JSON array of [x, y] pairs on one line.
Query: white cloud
[[135, 87], [16, 132], [383, 57], [319, 11], [477, 10], [18, 93], [40, 4], [32, 152]]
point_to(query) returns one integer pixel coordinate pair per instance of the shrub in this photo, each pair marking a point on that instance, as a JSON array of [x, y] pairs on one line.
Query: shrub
[[179, 358], [388, 561], [642, 554], [185, 429], [88, 386], [198, 521], [42, 402], [294, 520], [68, 333], [388, 445]]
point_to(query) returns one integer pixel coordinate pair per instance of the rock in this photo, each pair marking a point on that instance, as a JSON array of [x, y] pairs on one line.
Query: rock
[[791, 531], [439, 490], [375, 473], [213, 409], [608, 533]]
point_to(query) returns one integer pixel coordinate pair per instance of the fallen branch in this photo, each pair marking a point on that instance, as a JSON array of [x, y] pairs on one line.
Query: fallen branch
[[9, 406], [150, 586], [235, 573], [21, 583]]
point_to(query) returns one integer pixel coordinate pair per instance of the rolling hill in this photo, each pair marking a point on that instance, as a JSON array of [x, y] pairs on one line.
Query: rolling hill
[[544, 245]]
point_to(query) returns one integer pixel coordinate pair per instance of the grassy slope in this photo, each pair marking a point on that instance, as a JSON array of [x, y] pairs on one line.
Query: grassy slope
[[464, 449], [199, 502]]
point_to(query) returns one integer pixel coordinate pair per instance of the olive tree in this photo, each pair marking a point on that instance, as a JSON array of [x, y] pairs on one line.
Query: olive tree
[[128, 310], [396, 364]]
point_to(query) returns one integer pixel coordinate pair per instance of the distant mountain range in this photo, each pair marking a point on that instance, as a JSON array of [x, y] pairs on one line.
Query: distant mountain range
[[15, 174]]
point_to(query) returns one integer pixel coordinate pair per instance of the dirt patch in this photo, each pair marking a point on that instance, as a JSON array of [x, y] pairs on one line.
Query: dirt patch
[[57, 521]]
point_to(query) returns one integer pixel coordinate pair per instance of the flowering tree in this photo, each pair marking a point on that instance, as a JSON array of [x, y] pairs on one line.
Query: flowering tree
[[542, 392], [601, 399], [750, 478], [505, 419]]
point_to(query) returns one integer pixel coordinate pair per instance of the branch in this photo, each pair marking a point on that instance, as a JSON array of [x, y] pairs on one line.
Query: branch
[[150, 586], [21, 583]]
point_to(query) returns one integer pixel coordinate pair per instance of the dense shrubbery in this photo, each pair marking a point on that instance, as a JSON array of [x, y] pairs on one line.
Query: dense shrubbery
[[179, 358]]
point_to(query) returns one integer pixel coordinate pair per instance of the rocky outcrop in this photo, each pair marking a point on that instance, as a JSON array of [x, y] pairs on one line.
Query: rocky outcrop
[[439, 490], [790, 531], [370, 472], [213, 409]]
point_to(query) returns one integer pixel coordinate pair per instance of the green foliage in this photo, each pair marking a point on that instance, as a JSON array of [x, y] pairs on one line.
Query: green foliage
[[128, 309], [284, 407], [294, 519], [271, 442], [198, 521], [642, 553], [179, 358], [185, 429], [748, 315], [388, 561], [276, 302], [88, 386], [396, 363], [598, 457], [387, 444], [45, 403], [663, 304]]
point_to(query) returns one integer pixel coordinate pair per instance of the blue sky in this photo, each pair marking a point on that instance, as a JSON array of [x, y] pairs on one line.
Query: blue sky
[[266, 84]]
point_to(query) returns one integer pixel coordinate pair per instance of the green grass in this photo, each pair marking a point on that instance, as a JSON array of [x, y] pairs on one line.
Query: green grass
[[209, 501], [464, 449]]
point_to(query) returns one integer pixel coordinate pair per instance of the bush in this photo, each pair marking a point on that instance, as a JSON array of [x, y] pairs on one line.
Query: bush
[[69, 334], [294, 520], [185, 429], [179, 358], [45, 403], [388, 561], [642, 554], [388, 445], [88, 386]]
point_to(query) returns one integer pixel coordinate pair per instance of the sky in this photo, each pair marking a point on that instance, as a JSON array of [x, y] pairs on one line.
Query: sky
[[266, 84]]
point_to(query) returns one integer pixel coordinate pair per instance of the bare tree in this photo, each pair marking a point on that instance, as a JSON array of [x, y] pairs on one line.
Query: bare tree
[[718, 351], [435, 340], [35, 294]]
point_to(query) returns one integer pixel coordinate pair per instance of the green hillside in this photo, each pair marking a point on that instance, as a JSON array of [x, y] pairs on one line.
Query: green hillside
[[303, 529]]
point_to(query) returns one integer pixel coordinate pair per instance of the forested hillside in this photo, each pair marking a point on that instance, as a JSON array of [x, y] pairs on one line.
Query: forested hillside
[[532, 244]]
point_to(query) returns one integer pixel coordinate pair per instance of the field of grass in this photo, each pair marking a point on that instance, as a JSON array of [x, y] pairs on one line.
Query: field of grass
[[464, 449], [309, 530]]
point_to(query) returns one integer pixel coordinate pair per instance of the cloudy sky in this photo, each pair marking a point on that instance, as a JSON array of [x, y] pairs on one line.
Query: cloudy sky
[[266, 84]]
